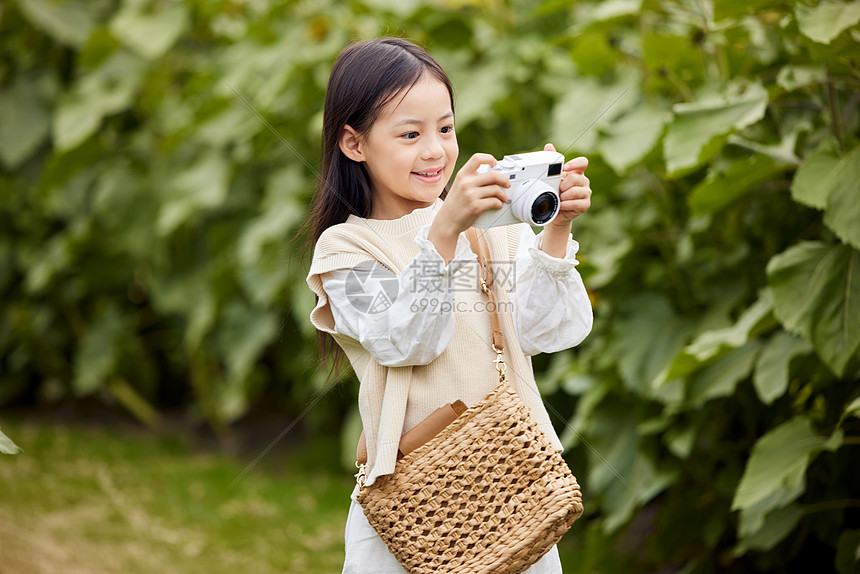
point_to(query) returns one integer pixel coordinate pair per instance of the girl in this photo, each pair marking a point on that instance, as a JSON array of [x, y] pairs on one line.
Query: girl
[[395, 276]]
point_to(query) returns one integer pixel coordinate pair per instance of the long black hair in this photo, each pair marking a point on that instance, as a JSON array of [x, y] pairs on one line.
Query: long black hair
[[365, 78]]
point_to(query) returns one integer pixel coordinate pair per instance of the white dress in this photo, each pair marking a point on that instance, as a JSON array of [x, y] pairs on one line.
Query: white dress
[[551, 312], [366, 553]]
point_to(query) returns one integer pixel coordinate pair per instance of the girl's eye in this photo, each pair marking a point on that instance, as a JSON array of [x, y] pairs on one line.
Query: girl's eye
[[410, 135], [447, 129]]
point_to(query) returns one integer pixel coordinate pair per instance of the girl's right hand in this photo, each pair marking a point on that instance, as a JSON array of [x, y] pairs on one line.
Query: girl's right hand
[[473, 193]]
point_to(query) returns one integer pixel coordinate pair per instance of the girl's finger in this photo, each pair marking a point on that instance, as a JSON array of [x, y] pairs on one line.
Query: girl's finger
[[575, 193], [495, 191], [577, 164], [476, 161], [491, 177], [575, 205], [574, 179], [489, 203]]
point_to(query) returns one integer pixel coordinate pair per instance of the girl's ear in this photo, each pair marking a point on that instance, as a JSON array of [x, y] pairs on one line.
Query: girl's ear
[[350, 144]]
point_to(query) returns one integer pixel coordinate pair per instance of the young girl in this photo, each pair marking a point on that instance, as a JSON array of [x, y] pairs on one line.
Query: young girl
[[395, 275]]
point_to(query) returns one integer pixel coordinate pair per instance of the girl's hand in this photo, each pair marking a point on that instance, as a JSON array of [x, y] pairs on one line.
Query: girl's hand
[[574, 191], [471, 194]]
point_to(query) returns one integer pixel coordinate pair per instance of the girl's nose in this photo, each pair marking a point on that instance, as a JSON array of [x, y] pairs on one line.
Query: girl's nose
[[433, 149]]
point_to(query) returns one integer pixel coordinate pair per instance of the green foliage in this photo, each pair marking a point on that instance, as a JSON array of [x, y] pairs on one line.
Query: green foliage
[[7, 446], [150, 203]]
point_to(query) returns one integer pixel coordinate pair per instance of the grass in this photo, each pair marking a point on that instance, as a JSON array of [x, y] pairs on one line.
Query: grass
[[85, 499], [82, 500]]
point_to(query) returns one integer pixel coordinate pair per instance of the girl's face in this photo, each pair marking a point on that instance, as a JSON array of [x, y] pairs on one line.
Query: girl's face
[[410, 150]]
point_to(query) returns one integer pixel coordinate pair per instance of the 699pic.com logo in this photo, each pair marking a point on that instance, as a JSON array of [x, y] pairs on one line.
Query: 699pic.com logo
[[371, 288]]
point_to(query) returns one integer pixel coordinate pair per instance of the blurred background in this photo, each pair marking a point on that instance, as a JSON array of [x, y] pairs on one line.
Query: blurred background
[[157, 366]]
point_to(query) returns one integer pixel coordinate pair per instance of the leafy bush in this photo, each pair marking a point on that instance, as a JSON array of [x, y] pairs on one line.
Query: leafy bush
[[157, 159]]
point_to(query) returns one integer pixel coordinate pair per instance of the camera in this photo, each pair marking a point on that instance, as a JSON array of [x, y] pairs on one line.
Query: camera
[[533, 195]]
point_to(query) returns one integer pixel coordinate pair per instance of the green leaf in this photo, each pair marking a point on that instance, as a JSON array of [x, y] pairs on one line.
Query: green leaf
[[697, 125], [737, 8], [792, 77], [233, 125], [852, 410], [826, 181], [621, 501], [588, 13], [629, 139], [587, 106], [67, 22], [665, 54], [243, 333], [709, 343], [752, 518], [811, 181], [123, 203], [778, 461], [713, 343], [782, 152], [281, 210], [593, 54], [201, 187], [591, 398], [623, 475], [848, 552], [648, 338], [724, 185], [720, 377], [189, 292], [777, 525], [7, 446], [771, 370], [400, 8], [610, 240], [822, 23], [843, 208], [150, 34], [107, 90], [478, 89], [25, 121], [98, 351], [46, 261], [816, 290], [680, 440]]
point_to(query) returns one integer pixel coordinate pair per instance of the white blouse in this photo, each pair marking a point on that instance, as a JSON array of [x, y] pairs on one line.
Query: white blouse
[[409, 319]]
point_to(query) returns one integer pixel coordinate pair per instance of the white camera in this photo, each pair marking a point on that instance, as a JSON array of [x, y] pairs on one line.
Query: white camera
[[533, 196]]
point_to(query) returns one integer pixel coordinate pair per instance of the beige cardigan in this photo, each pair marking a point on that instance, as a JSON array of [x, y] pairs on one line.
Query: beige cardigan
[[391, 400]]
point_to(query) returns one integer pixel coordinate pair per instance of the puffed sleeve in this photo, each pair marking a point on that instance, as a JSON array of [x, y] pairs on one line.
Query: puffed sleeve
[[552, 311]]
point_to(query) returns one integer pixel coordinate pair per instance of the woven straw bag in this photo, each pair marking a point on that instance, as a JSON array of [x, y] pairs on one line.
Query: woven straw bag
[[488, 494]]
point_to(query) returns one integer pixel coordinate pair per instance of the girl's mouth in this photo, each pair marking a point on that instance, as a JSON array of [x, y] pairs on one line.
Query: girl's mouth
[[429, 176]]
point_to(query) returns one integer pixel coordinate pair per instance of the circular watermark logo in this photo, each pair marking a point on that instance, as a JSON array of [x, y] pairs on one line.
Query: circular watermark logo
[[371, 288]]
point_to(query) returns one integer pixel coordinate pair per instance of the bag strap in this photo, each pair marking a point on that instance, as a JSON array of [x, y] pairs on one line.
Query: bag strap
[[478, 241]]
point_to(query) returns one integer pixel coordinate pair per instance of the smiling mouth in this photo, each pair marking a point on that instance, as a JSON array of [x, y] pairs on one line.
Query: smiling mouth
[[429, 173]]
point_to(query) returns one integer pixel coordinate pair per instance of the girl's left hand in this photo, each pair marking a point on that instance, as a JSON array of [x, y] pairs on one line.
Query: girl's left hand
[[574, 190]]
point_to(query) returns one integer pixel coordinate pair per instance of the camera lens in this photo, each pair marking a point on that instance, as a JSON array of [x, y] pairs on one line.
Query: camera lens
[[544, 207]]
